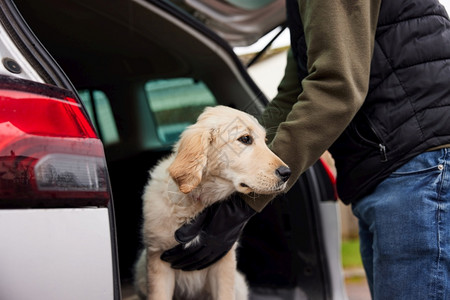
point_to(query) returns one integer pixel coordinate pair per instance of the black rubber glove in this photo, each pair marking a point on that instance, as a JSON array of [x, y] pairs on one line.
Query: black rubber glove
[[218, 227]]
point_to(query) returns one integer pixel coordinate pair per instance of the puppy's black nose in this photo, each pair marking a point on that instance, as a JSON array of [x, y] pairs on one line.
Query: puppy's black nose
[[283, 173]]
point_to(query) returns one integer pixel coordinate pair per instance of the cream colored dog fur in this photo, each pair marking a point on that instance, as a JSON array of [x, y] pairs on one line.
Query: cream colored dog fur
[[223, 152]]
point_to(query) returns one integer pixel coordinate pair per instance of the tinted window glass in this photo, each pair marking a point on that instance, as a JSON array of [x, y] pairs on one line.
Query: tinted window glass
[[99, 109], [176, 103]]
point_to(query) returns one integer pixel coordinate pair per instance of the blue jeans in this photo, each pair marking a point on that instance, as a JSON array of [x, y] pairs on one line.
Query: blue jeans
[[404, 228]]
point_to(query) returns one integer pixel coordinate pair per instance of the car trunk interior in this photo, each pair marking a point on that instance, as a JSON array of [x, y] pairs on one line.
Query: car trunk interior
[[116, 47]]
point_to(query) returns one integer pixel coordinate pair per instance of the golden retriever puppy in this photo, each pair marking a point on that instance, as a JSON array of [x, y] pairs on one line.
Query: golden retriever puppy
[[223, 152]]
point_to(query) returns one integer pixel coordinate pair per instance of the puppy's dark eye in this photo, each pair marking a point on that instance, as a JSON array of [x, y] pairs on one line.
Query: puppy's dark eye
[[246, 139]]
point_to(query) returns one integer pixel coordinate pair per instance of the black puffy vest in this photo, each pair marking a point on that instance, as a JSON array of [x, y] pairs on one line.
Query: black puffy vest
[[407, 108]]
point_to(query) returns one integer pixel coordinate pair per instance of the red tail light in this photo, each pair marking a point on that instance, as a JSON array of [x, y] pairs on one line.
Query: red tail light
[[49, 152], [331, 188]]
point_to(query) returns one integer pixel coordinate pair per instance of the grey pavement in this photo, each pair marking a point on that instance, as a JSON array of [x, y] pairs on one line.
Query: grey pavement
[[358, 290]]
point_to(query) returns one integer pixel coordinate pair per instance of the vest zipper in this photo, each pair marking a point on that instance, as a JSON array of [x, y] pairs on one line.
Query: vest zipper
[[383, 154]]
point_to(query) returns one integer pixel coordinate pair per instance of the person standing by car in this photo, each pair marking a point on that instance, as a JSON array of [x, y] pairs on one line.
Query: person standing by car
[[370, 81]]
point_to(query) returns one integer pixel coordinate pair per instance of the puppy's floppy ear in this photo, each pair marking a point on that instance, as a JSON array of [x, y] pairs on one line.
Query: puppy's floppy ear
[[191, 158]]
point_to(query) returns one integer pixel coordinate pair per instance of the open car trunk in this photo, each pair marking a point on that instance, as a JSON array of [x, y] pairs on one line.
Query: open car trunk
[[145, 70]]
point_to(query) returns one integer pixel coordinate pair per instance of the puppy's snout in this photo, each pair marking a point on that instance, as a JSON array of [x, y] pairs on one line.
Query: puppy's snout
[[283, 173]]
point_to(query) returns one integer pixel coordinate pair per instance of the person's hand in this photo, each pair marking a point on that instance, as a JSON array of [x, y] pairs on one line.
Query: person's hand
[[217, 228]]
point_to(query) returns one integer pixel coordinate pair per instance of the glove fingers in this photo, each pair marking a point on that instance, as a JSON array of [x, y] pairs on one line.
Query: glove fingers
[[190, 230], [219, 226], [173, 254], [179, 256], [189, 261], [201, 259]]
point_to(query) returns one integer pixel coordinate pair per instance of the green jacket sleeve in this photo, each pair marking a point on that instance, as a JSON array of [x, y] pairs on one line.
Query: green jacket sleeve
[[278, 109], [340, 38]]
